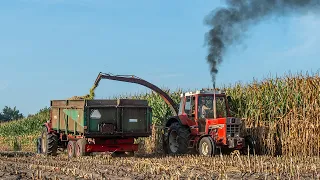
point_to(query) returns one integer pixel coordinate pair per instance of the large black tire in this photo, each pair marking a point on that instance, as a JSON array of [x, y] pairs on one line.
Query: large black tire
[[49, 143], [207, 147], [80, 148], [177, 139]]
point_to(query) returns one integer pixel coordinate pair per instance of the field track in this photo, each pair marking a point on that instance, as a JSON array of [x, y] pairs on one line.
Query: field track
[[33, 166]]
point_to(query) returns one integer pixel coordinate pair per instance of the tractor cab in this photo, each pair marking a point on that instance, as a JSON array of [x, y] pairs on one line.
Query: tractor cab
[[206, 112], [204, 104]]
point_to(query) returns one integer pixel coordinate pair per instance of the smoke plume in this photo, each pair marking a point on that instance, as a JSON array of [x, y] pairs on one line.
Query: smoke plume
[[229, 24]]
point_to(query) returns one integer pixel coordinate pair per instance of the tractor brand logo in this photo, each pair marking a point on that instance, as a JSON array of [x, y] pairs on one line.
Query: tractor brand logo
[[217, 126]]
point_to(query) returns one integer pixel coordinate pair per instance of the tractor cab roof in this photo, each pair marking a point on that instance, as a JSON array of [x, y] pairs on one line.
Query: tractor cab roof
[[208, 91]]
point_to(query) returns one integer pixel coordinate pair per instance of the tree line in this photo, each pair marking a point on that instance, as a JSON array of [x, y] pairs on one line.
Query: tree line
[[9, 114]]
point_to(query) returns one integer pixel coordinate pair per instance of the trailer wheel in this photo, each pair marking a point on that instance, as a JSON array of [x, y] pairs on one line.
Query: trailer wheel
[[81, 147], [178, 139], [71, 149], [49, 142], [206, 146]]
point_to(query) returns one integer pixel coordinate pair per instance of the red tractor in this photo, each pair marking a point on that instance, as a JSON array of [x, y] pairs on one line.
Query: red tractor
[[204, 123], [201, 121]]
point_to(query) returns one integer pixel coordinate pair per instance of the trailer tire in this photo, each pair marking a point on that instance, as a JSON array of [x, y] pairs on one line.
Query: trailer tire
[[207, 146], [71, 149], [178, 135], [80, 148], [49, 142]]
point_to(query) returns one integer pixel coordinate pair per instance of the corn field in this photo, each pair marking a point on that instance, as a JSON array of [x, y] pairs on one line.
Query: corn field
[[283, 114], [25, 126]]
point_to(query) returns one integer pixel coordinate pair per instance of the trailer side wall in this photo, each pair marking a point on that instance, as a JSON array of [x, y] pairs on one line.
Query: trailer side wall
[[102, 117]]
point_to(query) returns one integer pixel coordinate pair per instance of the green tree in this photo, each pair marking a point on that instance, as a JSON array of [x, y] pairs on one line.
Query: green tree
[[9, 114]]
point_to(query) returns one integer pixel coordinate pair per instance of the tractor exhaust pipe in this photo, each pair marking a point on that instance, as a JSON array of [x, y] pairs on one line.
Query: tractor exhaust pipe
[[214, 101]]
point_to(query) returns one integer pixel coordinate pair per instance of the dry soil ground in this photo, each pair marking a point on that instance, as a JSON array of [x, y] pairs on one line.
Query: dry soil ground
[[33, 166]]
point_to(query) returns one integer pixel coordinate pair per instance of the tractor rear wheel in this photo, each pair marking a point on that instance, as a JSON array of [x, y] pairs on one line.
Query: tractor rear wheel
[[81, 147], [49, 142], [206, 146], [178, 139], [71, 149]]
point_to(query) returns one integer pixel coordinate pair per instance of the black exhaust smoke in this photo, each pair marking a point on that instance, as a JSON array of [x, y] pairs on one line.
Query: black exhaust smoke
[[229, 24]]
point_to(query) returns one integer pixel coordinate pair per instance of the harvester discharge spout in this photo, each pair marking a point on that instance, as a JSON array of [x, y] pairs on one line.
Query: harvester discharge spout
[[137, 80]]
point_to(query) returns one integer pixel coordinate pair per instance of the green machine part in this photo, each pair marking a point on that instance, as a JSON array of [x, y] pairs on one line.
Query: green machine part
[[74, 120]]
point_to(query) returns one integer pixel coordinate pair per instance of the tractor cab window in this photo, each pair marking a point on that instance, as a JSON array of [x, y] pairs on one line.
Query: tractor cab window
[[221, 107], [187, 106], [192, 111], [190, 106], [205, 108], [181, 105]]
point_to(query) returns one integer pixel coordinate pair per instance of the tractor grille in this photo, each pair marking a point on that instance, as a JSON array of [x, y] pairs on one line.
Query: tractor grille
[[233, 129]]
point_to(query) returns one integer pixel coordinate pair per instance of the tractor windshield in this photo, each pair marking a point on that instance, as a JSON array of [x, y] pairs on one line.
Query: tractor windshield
[[206, 107]]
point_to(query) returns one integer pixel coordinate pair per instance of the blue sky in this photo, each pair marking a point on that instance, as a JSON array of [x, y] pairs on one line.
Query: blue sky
[[54, 49]]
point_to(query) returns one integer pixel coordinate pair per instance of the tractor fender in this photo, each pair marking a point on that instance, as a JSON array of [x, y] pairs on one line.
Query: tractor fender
[[48, 126], [182, 119], [172, 120]]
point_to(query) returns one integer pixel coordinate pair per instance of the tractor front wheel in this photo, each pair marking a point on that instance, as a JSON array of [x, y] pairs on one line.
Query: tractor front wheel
[[206, 146], [177, 139], [49, 142]]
